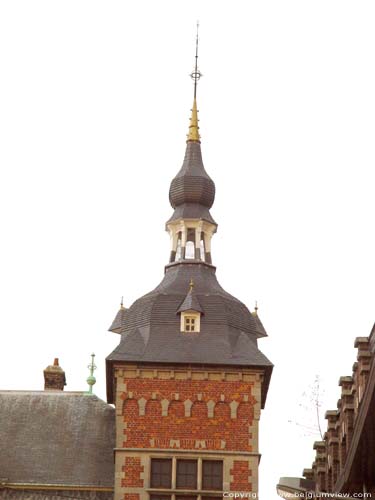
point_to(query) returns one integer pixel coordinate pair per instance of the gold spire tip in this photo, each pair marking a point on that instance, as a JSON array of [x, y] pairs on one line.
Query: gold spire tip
[[191, 284], [193, 127]]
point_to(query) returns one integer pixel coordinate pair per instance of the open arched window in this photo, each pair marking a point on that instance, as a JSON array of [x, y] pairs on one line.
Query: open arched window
[[190, 250]]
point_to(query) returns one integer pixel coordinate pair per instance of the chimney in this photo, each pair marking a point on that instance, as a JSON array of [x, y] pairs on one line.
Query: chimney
[[54, 377]]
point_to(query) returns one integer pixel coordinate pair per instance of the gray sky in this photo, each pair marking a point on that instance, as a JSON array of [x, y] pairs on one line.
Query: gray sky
[[94, 106]]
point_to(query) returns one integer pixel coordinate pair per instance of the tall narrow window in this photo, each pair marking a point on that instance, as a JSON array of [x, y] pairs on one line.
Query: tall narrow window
[[178, 250], [202, 251], [186, 474], [161, 472], [190, 250], [212, 475]]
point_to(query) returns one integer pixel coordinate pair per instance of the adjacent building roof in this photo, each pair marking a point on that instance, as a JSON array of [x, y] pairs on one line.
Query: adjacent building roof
[[56, 438]]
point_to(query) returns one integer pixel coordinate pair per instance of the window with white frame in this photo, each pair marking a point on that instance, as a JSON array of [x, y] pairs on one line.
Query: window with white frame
[[190, 321]]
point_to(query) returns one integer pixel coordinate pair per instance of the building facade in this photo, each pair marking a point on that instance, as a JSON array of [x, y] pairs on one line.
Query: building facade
[[345, 459]]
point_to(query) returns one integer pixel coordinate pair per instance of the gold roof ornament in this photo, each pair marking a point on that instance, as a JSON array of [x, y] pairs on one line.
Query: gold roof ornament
[[193, 127], [255, 312], [191, 285]]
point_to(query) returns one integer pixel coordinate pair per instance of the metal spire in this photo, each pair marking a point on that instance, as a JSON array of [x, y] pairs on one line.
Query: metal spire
[[91, 380], [195, 75]]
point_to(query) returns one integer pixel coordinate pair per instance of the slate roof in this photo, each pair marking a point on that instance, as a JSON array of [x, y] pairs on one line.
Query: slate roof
[[151, 333], [190, 303], [192, 191], [118, 321], [56, 437]]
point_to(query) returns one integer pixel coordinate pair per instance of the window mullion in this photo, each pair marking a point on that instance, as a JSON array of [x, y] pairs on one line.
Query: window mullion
[[199, 478], [174, 472]]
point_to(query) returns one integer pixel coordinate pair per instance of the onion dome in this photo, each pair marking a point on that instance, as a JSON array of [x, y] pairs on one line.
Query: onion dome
[[192, 191]]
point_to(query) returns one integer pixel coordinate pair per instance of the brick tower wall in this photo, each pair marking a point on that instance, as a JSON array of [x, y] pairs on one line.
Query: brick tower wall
[[186, 414]]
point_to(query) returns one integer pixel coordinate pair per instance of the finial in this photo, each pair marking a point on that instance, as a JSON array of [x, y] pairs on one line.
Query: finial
[[191, 285], [122, 303], [91, 380], [255, 312], [195, 75]]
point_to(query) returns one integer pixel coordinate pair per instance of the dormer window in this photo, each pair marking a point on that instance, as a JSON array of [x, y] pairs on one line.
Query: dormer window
[[190, 312], [190, 321]]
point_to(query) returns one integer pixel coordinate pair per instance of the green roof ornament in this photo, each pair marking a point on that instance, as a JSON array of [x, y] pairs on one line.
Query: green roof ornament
[[91, 380]]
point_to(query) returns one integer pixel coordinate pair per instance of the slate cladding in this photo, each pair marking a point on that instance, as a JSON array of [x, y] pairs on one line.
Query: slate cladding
[[192, 191], [56, 438], [228, 332], [191, 302]]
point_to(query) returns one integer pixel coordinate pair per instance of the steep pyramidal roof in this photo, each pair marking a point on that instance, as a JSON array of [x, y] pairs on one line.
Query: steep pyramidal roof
[[119, 320], [191, 302]]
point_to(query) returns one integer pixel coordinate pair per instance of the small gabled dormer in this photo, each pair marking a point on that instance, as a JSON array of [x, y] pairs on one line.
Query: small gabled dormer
[[190, 312], [118, 322]]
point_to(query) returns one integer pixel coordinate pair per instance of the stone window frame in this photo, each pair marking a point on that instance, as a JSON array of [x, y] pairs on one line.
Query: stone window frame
[[161, 473], [174, 492]]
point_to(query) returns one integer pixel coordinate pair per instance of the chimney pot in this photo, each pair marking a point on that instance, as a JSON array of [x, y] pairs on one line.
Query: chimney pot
[[54, 377]]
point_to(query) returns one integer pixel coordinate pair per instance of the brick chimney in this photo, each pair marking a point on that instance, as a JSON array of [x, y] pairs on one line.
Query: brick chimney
[[54, 377]]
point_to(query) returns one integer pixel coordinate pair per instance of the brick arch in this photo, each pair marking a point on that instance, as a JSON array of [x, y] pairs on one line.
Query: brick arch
[[245, 410], [222, 409], [153, 408], [176, 409], [130, 408], [199, 409]]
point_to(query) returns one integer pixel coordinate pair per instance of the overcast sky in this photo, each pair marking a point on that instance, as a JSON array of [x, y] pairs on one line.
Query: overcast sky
[[95, 99]]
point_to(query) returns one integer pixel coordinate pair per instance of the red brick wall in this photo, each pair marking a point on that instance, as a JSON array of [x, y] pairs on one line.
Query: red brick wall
[[132, 470], [154, 430], [131, 496], [241, 474]]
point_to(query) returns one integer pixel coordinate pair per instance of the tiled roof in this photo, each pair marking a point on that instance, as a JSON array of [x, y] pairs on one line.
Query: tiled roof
[[56, 437]]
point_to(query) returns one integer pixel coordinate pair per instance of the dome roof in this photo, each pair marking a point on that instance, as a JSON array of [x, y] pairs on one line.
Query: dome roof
[[228, 331], [192, 184]]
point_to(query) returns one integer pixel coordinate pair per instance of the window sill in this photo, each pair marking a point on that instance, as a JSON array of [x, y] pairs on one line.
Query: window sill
[[182, 491]]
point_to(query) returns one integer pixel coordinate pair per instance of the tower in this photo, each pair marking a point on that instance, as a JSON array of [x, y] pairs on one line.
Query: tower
[[187, 378]]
